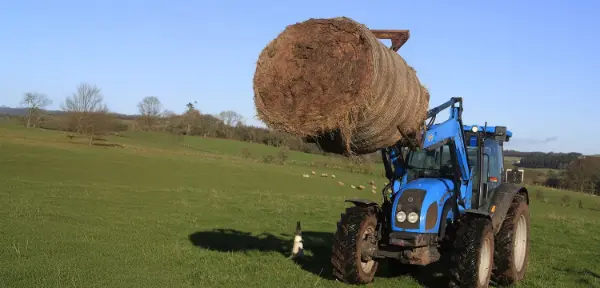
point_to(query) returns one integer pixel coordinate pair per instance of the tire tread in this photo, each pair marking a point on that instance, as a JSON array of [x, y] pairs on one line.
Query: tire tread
[[344, 250]]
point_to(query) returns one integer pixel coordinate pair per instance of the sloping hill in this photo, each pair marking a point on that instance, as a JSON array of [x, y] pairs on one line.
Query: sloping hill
[[158, 211]]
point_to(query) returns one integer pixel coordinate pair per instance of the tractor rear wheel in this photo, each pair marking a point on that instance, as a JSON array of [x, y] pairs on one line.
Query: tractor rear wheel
[[354, 244], [472, 254], [512, 243]]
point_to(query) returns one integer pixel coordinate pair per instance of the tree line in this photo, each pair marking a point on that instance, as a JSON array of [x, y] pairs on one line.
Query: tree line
[[582, 175], [571, 171], [548, 160], [85, 112]]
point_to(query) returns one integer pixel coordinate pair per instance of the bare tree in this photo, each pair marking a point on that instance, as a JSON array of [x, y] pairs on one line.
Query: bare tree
[[150, 108], [168, 113], [166, 119], [34, 102], [84, 105], [231, 118]]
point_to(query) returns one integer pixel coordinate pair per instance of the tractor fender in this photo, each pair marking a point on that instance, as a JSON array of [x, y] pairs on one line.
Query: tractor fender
[[479, 213], [502, 200]]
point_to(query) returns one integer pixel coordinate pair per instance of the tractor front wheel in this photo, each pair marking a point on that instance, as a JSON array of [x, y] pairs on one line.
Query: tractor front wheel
[[512, 243], [472, 254], [354, 244]]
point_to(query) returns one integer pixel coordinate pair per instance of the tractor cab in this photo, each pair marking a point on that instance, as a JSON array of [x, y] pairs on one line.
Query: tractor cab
[[486, 157], [437, 162]]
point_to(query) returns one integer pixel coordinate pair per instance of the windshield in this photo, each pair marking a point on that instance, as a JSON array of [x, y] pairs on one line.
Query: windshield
[[435, 163]]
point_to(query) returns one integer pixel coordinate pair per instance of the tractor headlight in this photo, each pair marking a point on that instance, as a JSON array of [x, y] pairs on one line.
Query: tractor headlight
[[413, 217], [401, 216], [474, 129]]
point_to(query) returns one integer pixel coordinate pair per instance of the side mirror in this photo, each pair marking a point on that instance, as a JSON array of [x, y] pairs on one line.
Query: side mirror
[[500, 133]]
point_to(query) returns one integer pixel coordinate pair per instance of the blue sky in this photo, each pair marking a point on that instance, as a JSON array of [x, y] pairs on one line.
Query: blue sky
[[529, 65]]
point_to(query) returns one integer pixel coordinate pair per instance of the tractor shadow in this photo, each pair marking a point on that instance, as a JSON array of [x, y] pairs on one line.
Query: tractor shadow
[[432, 275], [317, 253]]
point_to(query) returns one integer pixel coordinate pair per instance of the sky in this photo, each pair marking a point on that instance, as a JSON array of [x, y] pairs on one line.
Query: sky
[[529, 65]]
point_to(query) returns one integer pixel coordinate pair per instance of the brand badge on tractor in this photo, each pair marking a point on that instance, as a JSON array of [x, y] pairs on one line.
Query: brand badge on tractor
[[430, 137]]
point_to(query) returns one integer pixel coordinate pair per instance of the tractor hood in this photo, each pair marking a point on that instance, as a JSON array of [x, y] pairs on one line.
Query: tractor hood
[[431, 185], [425, 197]]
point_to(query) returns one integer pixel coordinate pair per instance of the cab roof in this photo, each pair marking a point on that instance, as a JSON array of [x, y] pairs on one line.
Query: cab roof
[[489, 130]]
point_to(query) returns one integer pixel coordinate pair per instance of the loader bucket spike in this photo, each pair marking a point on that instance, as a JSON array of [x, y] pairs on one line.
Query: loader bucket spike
[[398, 37]]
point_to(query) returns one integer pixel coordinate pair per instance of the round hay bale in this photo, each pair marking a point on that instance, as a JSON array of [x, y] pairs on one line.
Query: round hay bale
[[333, 82]]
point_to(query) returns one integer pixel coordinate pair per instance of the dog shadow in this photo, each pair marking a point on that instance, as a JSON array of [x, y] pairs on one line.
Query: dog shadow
[[317, 253]]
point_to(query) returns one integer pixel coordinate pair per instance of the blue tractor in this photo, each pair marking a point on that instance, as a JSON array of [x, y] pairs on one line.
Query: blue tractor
[[448, 202]]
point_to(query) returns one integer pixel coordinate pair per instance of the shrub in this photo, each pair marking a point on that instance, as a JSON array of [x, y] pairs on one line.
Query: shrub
[[282, 156], [268, 159], [539, 195], [566, 200], [246, 153]]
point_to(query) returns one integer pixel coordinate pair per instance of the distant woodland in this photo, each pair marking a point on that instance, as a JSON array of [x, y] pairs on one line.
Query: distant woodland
[[84, 112], [543, 160]]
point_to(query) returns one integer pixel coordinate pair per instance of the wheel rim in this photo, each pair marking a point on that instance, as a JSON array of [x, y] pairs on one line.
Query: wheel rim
[[520, 245], [368, 265], [484, 261]]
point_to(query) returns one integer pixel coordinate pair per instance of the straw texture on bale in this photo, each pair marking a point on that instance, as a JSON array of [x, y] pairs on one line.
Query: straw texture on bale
[[333, 81]]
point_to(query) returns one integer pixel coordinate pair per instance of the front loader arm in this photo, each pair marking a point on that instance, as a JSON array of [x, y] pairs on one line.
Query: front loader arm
[[450, 130]]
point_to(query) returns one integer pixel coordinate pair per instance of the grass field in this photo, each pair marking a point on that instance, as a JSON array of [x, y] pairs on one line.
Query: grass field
[[194, 212]]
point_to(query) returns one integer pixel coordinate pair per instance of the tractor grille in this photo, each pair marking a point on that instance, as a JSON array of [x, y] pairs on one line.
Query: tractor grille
[[410, 201]]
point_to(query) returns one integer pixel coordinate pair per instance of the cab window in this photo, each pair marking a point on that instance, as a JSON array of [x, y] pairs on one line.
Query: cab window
[[494, 151]]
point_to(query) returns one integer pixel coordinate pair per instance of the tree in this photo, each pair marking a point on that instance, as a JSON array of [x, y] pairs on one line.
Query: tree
[[583, 175], [150, 109], [168, 113], [191, 117], [231, 118], [35, 102], [192, 106], [98, 123], [86, 109], [166, 119]]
